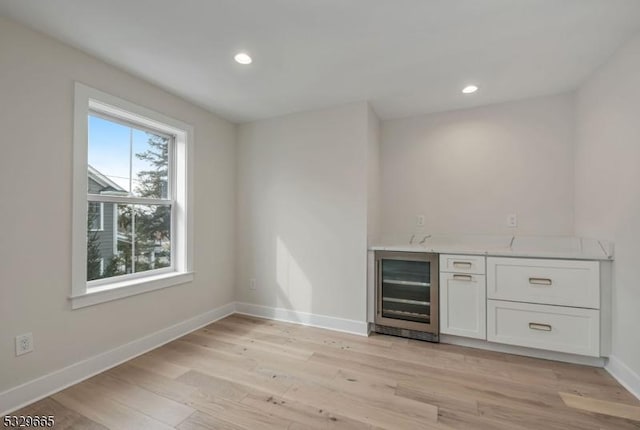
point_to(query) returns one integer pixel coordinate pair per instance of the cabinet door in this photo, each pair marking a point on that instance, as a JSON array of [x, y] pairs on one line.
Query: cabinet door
[[463, 305]]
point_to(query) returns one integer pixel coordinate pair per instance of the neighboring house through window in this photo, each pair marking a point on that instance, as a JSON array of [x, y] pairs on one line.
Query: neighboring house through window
[[96, 216], [102, 238], [132, 221]]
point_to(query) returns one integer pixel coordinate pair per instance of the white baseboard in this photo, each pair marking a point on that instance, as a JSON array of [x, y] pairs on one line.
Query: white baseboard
[[628, 378], [519, 350], [304, 318], [29, 392]]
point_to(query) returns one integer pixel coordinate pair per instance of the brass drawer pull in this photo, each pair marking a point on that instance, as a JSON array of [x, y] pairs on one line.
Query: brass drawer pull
[[467, 278], [462, 264], [540, 281], [538, 326]]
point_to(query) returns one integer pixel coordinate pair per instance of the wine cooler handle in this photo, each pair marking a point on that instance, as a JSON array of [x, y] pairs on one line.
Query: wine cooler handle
[[379, 286]]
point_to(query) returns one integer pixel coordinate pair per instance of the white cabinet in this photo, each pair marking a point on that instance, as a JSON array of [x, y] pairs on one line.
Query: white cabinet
[[463, 296], [554, 328], [553, 282], [462, 264], [548, 304]]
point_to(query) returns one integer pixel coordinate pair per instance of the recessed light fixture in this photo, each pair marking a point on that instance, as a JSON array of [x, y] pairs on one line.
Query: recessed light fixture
[[470, 89], [242, 58]]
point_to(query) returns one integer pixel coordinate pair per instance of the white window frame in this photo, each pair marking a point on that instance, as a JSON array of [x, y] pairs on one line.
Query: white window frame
[[85, 293]]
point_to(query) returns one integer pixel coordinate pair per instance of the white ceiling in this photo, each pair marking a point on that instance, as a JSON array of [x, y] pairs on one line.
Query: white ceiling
[[406, 57]]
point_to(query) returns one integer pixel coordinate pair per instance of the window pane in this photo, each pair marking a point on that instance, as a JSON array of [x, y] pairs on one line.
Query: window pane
[[141, 231], [109, 156], [95, 215], [103, 256], [121, 262], [127, 161], [152, 237], [150, 165]]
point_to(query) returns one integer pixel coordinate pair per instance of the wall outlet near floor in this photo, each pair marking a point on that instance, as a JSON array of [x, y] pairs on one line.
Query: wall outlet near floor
[[512, 220], [252, 284], [420, 220], [24, 343]]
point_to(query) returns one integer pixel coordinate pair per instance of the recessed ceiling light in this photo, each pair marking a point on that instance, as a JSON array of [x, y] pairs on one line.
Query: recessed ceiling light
[[243, 58], [470, 89]]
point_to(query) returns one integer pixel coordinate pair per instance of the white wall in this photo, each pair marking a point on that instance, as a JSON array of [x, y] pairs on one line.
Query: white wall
[[607, 177], [36, 108], [466, 170], [302, 212], [374, 177]]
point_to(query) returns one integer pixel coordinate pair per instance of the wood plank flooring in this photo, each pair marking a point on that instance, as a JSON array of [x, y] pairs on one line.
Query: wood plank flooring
[[244, 373]]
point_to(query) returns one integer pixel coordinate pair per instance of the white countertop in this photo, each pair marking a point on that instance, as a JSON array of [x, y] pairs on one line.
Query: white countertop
[[501, 246]]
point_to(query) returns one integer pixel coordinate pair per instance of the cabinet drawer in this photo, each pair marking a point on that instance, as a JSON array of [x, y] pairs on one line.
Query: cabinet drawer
[[462, 264], [554, 328], [553, 282]]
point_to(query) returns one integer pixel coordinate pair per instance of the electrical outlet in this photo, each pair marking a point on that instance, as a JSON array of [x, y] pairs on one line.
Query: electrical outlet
[[420, 220], [252, 284], [512, 220], [24, 343]]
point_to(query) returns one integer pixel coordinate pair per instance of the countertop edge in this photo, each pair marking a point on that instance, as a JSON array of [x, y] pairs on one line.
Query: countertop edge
[[494, 253]]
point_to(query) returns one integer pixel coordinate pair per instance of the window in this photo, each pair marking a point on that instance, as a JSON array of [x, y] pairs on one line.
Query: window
[[95, 216], [132, 223]]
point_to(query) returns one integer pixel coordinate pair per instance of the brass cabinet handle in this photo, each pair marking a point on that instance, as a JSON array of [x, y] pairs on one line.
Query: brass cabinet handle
[[462, 264], [540, 327], [467, 278], [540, 281]]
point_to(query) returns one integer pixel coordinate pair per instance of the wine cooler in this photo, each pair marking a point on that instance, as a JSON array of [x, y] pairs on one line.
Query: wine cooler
[[407, 294]]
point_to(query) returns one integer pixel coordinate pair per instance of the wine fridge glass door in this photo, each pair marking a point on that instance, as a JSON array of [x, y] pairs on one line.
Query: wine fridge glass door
[[406, 291]]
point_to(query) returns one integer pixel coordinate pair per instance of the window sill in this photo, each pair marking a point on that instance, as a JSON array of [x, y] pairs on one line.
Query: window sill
[[119, 290]]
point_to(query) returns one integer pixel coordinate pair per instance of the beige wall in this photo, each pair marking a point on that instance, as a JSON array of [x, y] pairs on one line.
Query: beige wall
[[302, 212], [466, 170], [607, 177], [374, 177], [36, 108]]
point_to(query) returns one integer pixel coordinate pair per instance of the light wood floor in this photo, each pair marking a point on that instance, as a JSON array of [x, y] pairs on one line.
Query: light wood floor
[[248, 373]]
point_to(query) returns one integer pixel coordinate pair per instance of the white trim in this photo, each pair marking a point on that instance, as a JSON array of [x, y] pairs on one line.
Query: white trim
[[129, 287], [29, 392], [521, 350], [126, 200], [323, 321], [626, 376], [87, 99], [79, 211], [120, 281]]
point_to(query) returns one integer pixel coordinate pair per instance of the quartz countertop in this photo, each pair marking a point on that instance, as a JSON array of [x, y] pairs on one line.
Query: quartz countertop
[[577, 248]]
